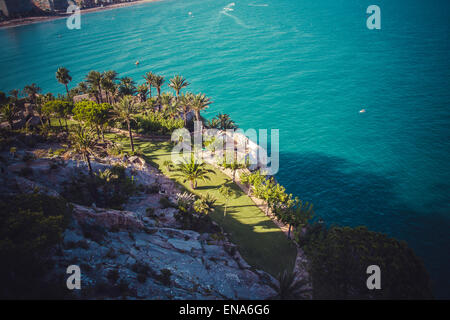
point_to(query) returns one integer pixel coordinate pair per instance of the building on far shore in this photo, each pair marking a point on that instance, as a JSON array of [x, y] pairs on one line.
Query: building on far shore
[[22, 8]]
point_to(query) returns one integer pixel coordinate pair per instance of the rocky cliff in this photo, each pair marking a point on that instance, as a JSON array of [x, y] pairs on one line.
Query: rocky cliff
[[141, 251]]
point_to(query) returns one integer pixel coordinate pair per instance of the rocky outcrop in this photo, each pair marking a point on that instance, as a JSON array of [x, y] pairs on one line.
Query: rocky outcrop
[[106, 218], [130, 253], [134, 259]]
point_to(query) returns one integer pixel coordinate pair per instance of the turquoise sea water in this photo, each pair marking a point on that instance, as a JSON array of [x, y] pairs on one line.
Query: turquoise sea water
[[306, 68]]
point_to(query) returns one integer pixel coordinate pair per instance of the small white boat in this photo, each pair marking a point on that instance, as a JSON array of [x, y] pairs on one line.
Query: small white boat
[[362, 110]]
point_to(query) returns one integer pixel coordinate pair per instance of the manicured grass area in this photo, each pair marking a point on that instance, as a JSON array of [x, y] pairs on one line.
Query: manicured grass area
[[260, 241]]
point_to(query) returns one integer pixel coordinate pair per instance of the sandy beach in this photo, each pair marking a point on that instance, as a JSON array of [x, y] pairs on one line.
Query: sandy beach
[[37, 19]]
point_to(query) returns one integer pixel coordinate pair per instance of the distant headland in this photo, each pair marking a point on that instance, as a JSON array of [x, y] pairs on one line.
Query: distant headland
[[23, 12]]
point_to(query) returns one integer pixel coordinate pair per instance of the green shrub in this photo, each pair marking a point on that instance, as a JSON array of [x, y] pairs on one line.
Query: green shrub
[[165, 202], [156, 123], [30, 226], [339, 258], [110, 188]]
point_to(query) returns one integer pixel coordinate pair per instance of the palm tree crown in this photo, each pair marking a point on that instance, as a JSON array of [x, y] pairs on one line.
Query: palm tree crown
[[199, 102], [127, 86], [93, 80], [177, 83], [63, 77], [192, 171], [158, 81], [31, 91], [149, 76], [125, 111], [83, 141]]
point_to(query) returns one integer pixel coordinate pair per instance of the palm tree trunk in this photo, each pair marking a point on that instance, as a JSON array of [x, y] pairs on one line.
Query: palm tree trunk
[[131, 137], [150, 90], [197, 115], [67, 90], [86, 156], [100, 93], [192, 184]]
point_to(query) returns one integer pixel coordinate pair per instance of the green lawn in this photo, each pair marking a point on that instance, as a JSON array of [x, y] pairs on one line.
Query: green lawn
[[261, 243]]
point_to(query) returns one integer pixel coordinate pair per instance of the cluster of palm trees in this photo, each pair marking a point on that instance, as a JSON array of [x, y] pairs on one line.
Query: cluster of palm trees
[[107, 87], [289, 210]]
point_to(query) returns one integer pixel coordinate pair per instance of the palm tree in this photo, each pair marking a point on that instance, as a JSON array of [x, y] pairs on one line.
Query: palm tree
[[108, 83], [199, 102], [177, 83], [289, 288], [63, 77], [127, 86], [192, 171], [149, 76], [214, 123], [82, 87], [228, 193], [168, 107], [7, 114], [142, 91], [205, 204], [158, 81], [31, 91], [167, 164], [124, 111], [150, 104], [234, 166], [83, 141], [93, 79], [225, 122], [15, 94], [184, 104], [302, 214]]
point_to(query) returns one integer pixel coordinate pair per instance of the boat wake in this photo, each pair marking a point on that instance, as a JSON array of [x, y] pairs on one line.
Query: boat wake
[[229, 8], [257, 5]]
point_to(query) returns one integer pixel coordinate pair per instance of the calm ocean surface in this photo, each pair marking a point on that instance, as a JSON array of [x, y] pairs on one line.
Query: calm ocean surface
[[306, 68]]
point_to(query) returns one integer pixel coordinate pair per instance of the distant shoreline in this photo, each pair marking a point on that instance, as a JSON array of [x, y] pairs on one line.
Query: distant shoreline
[[31, 20]]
